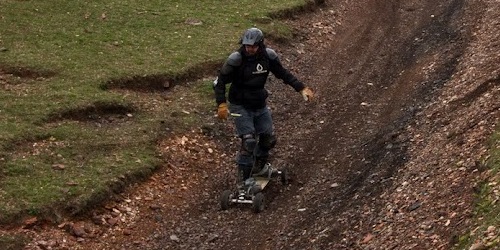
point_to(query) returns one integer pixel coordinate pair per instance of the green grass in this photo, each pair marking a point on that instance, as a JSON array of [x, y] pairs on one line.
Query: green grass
[[487, 208], [8, 242], [63, 137]]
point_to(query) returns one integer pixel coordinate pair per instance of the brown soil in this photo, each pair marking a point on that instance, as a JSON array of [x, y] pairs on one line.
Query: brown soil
[[386, 157]]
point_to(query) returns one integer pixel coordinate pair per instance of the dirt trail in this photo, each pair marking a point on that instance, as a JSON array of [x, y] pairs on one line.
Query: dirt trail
[[371, 79], [375, 66]]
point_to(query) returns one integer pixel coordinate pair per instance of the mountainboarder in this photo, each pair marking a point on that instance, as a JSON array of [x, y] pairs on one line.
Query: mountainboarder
[[247, 69]]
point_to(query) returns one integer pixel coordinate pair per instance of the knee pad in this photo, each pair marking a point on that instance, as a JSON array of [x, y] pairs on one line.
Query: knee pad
[[267, 141], [248, 143]]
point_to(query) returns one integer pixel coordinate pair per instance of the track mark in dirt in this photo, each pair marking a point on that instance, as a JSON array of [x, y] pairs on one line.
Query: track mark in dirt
[[477, 92], [99, 111], [162, 82], [25, 72]]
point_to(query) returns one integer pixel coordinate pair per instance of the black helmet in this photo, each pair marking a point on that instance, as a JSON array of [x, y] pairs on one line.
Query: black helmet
[[252, 36]]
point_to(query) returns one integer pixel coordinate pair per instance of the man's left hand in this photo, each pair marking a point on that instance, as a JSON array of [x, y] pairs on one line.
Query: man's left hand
[[307, 93]]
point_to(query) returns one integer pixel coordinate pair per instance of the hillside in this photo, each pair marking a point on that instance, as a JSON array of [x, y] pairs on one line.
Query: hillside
[[389, 155]]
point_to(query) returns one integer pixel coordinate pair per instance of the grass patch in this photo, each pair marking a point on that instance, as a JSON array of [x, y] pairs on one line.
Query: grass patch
[[487, 212], [88, 87]]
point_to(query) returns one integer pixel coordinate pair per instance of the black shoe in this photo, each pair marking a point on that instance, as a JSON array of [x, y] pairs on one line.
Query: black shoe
[[244, 172]]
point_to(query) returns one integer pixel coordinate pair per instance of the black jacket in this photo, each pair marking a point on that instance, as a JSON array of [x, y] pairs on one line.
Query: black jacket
[[248, 75]]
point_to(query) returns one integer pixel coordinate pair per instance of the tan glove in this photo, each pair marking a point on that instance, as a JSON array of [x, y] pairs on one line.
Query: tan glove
[[222, 111], [307, 93]]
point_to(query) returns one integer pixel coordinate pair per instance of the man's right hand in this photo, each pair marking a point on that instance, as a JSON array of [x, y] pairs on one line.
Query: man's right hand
[[222, 111]]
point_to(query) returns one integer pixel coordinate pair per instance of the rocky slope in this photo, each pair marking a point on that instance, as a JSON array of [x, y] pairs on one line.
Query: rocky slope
[[386, 157]]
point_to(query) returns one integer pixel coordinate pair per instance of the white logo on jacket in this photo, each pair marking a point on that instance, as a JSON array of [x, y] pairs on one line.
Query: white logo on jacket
[[260, 70]]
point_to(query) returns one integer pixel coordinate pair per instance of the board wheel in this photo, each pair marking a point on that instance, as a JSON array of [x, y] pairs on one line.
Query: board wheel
[[225, 199], [258, 203]]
